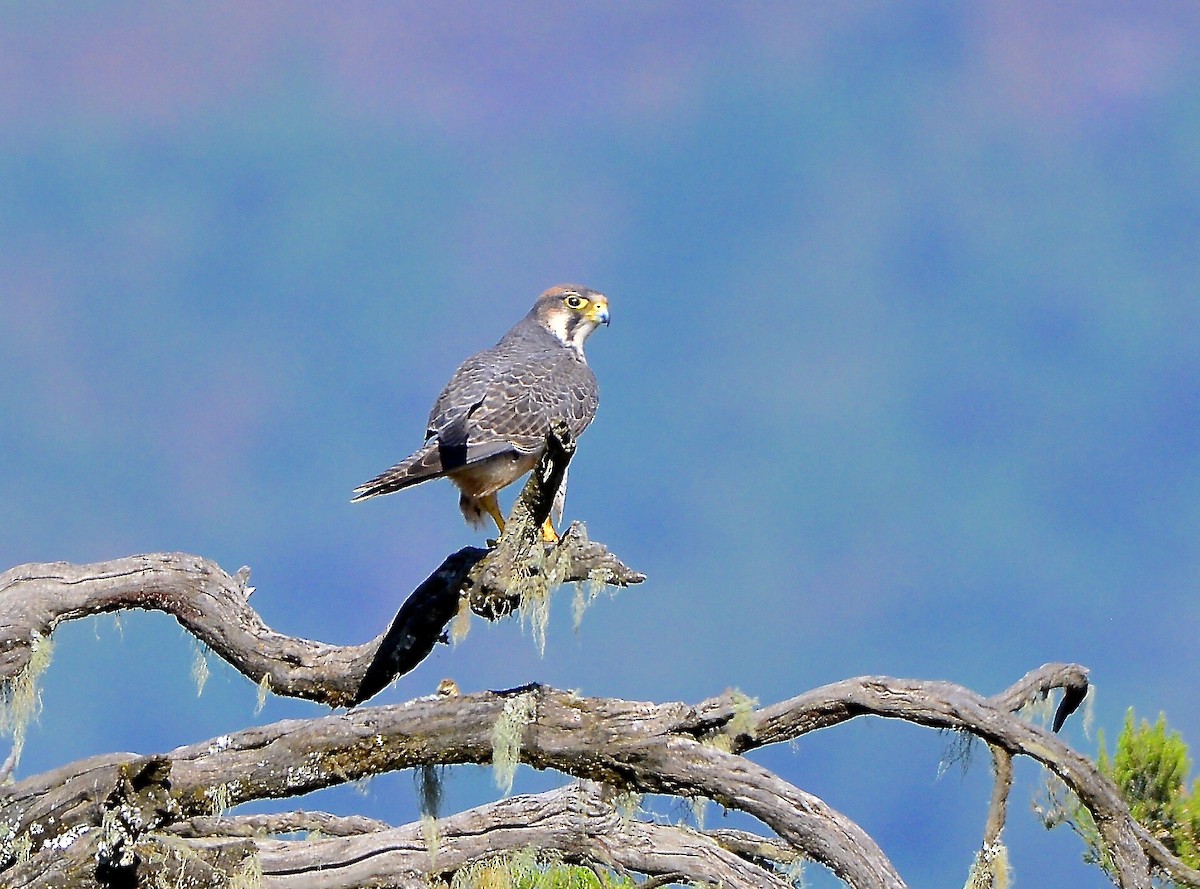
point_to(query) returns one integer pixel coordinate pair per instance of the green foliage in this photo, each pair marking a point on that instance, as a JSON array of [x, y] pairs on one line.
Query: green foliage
[[1150, 767], [528, 870]]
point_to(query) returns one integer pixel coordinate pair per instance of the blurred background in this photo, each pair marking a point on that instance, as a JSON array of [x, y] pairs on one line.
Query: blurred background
[[903, 375]]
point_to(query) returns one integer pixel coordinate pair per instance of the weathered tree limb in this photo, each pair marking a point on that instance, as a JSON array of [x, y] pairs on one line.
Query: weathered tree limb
[[274, 824], [643, 746], [1164, 860], [1038, 684], [946, 706], [125, 811], [688, 767], [990, 868], [758, 850], [1002, 772], [636, 745], [575, 822], [658, 748], [522, 564], [214, 607]]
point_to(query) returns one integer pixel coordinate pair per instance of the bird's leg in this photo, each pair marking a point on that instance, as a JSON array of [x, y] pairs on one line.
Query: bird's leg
[[548, 533], [492, 507]]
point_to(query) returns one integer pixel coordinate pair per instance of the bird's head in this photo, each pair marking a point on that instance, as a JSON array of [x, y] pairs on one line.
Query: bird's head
[[571, 313]]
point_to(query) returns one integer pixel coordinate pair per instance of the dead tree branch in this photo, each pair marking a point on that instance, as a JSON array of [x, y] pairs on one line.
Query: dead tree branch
[[574, 823], [163, 804], [214, 606], [946, 706], [110, 820]]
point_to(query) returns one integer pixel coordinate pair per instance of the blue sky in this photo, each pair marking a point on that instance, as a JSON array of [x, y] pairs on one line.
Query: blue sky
[[903, 375]]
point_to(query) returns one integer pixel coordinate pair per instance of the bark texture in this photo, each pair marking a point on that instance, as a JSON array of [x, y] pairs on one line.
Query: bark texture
[[121, 820], [214, 606], [122, 817]]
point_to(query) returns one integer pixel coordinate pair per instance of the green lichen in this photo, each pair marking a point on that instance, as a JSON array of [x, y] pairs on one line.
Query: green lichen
[[264, 687], [535, 614], [429, 794], [432, 836], [177, 850], [744, 721], [1089, 711], [519, 711], [698, 804], [200, 671], [22, 848], [544, 572], [21, 697], [627, 804], [793, 872], [220, 797], [586, 592], [248, 875], [535, 590], [959, 751], [462, 621], [1039, 710], [428, 779], [990, 869]]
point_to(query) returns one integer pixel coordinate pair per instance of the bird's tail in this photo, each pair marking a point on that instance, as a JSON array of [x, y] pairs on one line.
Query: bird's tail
[[421, 466]]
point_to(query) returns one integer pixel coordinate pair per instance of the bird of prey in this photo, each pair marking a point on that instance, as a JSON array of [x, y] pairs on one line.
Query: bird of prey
[[488, 427]]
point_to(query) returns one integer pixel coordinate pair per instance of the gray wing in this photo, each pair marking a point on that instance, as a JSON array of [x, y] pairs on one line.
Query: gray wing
[[498, 401], [510, 393], [520, 404]]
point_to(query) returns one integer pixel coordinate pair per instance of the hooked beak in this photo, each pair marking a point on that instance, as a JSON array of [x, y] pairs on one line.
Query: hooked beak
[[599, 311]]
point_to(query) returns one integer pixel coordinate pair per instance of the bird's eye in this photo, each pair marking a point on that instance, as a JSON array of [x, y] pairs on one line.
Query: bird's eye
[[574, 301]]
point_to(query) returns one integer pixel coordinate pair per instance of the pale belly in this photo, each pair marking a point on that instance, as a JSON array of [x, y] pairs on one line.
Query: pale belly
[[489, 476]]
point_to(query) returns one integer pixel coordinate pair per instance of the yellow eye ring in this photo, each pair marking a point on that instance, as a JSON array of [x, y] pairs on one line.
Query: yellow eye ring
[[575, 301]]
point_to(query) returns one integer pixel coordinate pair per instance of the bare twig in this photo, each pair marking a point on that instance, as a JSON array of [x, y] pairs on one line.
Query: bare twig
[[998, 806], [990, 869]]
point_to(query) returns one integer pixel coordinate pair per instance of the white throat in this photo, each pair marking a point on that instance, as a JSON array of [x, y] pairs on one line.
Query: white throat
[[573, 338]]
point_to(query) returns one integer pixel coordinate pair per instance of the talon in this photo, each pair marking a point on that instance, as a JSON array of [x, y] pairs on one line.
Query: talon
[[492, 507], [549, 535]]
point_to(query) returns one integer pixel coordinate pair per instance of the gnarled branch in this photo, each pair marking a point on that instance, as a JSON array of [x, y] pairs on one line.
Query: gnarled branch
[[663, 748], [92, 821], [214, 606]]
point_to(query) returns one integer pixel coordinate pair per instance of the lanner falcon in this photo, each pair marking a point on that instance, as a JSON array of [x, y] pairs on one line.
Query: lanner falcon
[[488, 427]]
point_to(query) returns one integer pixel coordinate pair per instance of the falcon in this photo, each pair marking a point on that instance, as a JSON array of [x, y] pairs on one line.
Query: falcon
[[488, 427]]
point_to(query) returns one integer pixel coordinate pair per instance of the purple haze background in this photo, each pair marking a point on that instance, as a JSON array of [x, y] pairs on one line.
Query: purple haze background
[[904, 374]]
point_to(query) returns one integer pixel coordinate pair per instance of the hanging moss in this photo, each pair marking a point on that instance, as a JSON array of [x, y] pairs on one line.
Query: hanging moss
[[21, 697], [200, 671], [519, 711]]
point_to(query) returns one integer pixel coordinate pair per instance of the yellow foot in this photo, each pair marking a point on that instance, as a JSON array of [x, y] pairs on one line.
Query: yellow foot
[[492, 508], [549, 535]]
